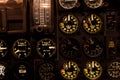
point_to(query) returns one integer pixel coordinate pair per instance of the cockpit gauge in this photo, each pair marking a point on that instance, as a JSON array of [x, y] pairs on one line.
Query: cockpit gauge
[[93, 47], [46, 48], [70, 70], [68, 4], [92, 70], [92, 24], [69, 48], [69, 24], [93, 4], [3, 48], [3, 71], [114, 69], [21, 48], [46, 71]]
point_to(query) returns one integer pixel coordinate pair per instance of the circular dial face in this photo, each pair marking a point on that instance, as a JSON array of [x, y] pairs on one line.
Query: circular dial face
[[69, 48], [92, 70], [3, 49], [70, 70], [46, 71], [93, 3], [114, 69], [46, 47], [93, 47], [68, 4], [21, 48], [92, 24], [2, 71], [69, 24]]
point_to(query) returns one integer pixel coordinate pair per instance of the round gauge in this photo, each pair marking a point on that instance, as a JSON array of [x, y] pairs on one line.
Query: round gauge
[[21, 71], [114, 69], [3, 49], [46, 71], [21, 48], [93, 4], [70, 70], [92, 70], [68, 4], [92, 24], [93, 47], [46, 47], [69, 48], [69, 24], [3, 71]]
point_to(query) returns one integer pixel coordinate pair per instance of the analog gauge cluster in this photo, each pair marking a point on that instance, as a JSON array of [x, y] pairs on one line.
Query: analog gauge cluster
[[69, 48], [3, 48], [93, 47]]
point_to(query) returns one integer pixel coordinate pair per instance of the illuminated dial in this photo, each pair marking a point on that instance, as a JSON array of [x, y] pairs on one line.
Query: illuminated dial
[[69, 24], [21, 48], [92, 24], [3, 49], [93, 3], [70, 70], [114, 69], [92, 70], [46, 71], [93, 47], [46, 47], [69, 48], [68, 4], [3, 71]]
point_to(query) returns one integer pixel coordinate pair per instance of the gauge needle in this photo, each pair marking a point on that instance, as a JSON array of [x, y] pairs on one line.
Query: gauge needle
[[92, 17], [17, 51], [89, 21], [2, 48], [68, 17], [93, 64]]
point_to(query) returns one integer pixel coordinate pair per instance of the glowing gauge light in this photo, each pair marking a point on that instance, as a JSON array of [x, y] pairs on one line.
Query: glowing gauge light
[[21, 48], [69, 24], [3, 49], [46, 47], [68, 4], [92, 24], [46, 71], [93, 4], [93, 47], [114, 70], [92, 70], [70, 70]]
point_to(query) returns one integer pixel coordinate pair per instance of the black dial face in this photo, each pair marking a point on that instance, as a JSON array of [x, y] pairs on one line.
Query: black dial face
[[93, 47], [69, 48], [46, 48], [92, 70], [69, 24], [46, 71], [2, 71], [21, 48], [68, 4], [114, 69], [92, 24], [93, 3], [3, 49], [70, 70]]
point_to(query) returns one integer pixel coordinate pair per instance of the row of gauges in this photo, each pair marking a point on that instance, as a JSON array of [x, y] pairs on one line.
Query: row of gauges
[[22, 48], [69, 4], [92, 24], [69, 70]]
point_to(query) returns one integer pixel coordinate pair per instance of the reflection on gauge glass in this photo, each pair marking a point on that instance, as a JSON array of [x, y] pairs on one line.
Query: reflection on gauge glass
[[46, 47], [3, 49], [70, 70], [68, 4], [92, 47], [2, 71], [92, 70], [114, 69], [69, 48], [92, 24], [69, 24], [21, 48], [46, 71], [93, 3]]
